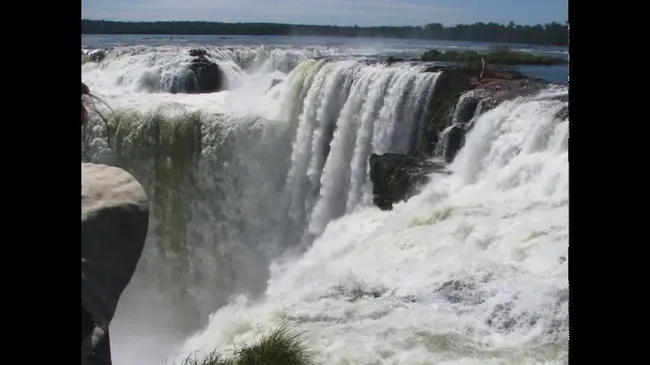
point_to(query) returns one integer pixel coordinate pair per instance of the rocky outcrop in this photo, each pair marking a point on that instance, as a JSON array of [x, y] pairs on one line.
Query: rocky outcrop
[[450, 85], [275, 82], [204, 76], [494, 87], [96, 56], [455, 140], [114, 224], [396, 177], [198, 52]]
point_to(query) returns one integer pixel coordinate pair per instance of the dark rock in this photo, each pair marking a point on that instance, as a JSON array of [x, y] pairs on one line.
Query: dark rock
[[209, 77], [390, 60], [563, 114], [198, 52], [114, 224], [396, 177], [451, 84], [275, 82], [433, 69], [466, 109], [96, 56], [455, 141]]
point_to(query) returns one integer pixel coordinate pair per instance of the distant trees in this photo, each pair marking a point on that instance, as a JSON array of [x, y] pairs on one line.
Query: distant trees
[[548, 34]]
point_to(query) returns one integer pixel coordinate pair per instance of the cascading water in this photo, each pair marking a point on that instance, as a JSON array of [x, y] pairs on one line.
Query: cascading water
[[473, 270], [240, 177]]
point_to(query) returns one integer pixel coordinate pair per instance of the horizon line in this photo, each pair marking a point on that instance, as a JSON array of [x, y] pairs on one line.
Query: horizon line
[[565, 23]]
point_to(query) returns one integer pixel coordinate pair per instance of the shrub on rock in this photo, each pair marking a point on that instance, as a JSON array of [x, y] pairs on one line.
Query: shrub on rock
[[280, 347]]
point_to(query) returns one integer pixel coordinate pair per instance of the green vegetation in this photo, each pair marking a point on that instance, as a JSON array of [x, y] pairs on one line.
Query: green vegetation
[[280, 347], [499, 56], [549, 34]]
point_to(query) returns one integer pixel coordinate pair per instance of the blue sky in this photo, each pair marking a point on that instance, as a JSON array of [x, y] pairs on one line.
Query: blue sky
[[334, 12]]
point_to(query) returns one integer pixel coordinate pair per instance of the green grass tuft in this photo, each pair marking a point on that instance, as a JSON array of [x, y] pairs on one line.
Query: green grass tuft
[[280, 347], [211, 359]]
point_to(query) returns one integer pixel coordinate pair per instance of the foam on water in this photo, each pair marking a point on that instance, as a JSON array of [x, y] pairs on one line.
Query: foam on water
[[471, 271]]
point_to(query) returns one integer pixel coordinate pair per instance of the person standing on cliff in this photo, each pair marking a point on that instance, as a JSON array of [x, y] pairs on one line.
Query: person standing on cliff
[[112, 239], [480, 77]]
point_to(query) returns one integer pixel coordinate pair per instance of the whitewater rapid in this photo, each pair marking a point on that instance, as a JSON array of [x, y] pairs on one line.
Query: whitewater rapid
[[262, 210], [471, 271]]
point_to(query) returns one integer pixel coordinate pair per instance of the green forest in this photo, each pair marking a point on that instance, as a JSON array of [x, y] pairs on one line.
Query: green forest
[[555, 34]]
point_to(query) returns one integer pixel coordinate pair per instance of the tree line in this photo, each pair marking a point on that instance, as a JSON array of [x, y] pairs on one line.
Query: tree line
[[555, 34]]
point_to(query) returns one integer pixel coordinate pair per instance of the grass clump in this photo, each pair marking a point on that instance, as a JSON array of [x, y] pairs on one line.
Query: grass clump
[[280, 347], [211, 359]]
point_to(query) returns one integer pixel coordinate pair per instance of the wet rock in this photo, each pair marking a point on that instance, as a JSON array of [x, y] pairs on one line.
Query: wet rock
[[563, 114], [207, 75], [275, 82], [198, 52], [396, 177], [455, 141], [97, 56], [466, 109], [450, 85], [434, 69]]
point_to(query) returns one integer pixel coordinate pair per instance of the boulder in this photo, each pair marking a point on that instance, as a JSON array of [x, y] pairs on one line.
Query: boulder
[[114, 224], [396, 177], [455, 141], [198, 52], [209, 77], [97, 55], [275, 82]]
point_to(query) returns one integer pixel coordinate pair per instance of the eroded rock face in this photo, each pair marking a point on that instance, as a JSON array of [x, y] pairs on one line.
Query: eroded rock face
[[114, 224], [397, 177]]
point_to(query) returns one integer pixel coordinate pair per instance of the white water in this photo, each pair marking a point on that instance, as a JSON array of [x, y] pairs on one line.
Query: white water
[[269, 171], [496, 231]]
